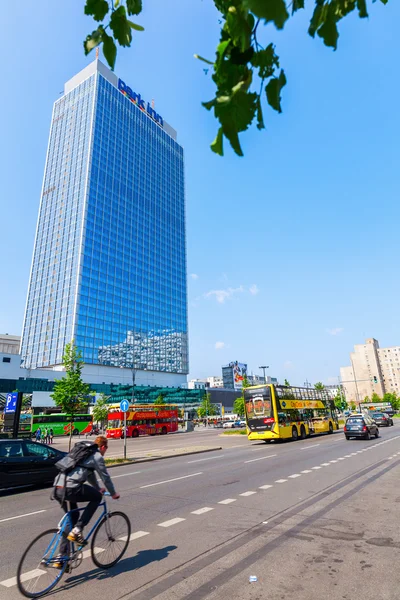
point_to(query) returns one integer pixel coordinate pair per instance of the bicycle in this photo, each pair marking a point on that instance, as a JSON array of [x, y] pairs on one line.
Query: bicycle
[[36, 573]]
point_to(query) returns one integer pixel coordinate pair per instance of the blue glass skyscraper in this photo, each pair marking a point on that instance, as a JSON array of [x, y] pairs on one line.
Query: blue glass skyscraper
[[109, 262]]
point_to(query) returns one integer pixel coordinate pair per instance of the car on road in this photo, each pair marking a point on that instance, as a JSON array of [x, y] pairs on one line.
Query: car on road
[[360, 426], [382, 419], [218, 425], [24, 462]]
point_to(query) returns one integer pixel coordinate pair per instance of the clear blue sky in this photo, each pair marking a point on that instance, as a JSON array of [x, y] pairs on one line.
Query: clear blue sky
[[293, 250]]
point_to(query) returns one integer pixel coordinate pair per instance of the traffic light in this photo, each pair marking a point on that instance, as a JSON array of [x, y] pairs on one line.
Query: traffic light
[[375, 379]]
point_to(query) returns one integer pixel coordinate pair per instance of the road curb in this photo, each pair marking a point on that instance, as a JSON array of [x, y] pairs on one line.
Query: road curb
[[151, 459]]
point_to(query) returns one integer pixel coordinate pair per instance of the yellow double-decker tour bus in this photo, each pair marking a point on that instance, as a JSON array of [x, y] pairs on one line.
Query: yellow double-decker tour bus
[[275, 412]]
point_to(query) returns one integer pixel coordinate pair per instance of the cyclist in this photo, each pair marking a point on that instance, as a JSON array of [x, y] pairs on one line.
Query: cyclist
[[73, 489]]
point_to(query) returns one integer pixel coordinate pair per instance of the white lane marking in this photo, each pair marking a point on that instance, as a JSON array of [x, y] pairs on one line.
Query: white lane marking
[[20, 516], [315, 468], [202, 459], [333, 461], [169, 480], [87, 553], [294, 475], [134, 536], [341, 458], [353, 453], [201, 511], [308, 447], [171, 522], [24, 577], [247, 493], [347, 455], [325, 465], [265, 487], [227, 501], [307, 471], [280, 480], [262, 458], [127, 474]]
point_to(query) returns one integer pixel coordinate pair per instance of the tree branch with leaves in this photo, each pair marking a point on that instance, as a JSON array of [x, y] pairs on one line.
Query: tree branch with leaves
[[245, 73]]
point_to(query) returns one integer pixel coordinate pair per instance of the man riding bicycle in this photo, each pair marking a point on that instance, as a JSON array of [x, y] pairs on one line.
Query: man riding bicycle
[[71, 487]]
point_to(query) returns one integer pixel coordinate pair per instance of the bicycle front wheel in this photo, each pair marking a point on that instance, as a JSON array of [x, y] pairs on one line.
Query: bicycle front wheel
[[37, 573], [110, 540]]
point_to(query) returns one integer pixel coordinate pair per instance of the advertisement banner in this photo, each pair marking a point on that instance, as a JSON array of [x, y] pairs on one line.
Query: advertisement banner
[[239, 371]]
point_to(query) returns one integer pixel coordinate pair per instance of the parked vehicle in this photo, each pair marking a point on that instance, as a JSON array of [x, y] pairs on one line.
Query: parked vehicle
[[360, 426], [229, 425], [382, 419], [24, 462]]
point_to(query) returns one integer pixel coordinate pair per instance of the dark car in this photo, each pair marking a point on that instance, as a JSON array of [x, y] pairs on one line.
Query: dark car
[[382, 419], [23, 462], [360, 426]]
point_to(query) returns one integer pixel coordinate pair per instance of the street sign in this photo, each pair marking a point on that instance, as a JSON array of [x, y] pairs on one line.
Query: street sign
[[124, 405], [11, 405]]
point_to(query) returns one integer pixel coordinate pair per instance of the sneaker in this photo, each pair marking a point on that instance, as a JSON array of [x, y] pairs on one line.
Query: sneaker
[[76, 536], [54, 563]]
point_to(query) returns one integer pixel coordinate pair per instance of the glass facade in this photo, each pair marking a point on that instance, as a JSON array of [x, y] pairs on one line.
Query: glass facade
[[109, 266]]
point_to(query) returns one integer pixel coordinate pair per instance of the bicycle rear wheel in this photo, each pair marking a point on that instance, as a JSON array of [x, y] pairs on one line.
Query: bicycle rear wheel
[[110, 540], [36, 574]]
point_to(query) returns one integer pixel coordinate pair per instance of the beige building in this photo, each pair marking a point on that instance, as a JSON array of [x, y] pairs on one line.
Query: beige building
[[372, 370], [9, 344]]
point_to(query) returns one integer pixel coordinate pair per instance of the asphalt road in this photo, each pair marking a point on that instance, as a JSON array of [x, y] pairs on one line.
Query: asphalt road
[[315, 517]]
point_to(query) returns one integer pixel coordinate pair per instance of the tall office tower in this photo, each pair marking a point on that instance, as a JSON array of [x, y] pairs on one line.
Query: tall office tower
[[109, 261]]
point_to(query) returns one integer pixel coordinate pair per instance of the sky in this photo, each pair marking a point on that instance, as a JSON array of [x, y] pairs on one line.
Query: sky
[[293, 249]]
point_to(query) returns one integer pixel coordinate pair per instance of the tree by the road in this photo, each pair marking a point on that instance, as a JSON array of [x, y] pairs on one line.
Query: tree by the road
[[100, 410], [246, 72], [206, 409], [238, 406], [70, 393], [287, 383], [319, 386], [160, 400]]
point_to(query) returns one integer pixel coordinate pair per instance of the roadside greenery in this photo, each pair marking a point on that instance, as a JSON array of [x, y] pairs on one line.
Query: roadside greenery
[[206, 409], [100, 410], [70, 393], [246, 71]]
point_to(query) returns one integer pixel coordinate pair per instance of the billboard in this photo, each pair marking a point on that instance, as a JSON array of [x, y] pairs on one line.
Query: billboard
[[239, 371]]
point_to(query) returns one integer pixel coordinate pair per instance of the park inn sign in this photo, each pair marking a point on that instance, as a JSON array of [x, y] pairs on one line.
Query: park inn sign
[[140, 103]]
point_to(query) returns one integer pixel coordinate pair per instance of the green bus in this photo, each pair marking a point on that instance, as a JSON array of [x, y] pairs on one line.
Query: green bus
[[61, 423]]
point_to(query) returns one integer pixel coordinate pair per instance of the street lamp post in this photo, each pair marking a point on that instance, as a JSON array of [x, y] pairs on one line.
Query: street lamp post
[[264, 367]]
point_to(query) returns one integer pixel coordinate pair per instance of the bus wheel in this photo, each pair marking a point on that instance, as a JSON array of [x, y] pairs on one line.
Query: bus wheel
[[75, 432], [164, 431], [295, 434], [135, 433], [330, 427], [303, 434]]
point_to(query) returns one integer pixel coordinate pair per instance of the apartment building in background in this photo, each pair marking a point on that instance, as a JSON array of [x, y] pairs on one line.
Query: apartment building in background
[[372, 370]]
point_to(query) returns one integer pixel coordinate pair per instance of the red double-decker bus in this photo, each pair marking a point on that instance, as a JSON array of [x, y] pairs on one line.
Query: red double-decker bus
[[142, 420]]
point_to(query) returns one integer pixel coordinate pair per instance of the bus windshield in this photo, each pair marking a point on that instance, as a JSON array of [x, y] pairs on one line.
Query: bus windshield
[[258, 403]]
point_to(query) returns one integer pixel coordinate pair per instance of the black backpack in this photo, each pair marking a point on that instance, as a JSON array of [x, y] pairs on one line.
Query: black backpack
[[79, 453]]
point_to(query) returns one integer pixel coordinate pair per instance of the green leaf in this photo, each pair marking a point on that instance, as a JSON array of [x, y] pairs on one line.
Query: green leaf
[[217, 145], [328, 30], [273, 91], [260, 119], [97, 8], [362, 9], [208, 105], [203, 59], [134, 7], [318, 17], [93, 39], [121, 27], [221, 48], [266, 60], [136, 26], [109, 49], [269, 10], [297, 4]]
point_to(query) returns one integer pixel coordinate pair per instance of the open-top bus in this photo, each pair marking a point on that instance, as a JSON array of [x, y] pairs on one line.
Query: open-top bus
[[276, 412], [62, 424], [148, 419]]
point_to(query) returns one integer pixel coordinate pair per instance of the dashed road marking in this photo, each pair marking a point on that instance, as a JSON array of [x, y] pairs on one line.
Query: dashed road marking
[[25, 577], [201, 511], [250, 493], [142, 487], [325, 465], [171, 522], [261, 458], [265, 487], [280, 480], [315, 468], [20, 516], [308, 447], [306, 471], [294, 475], [127, 474], [227, 501], [190, 462]]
